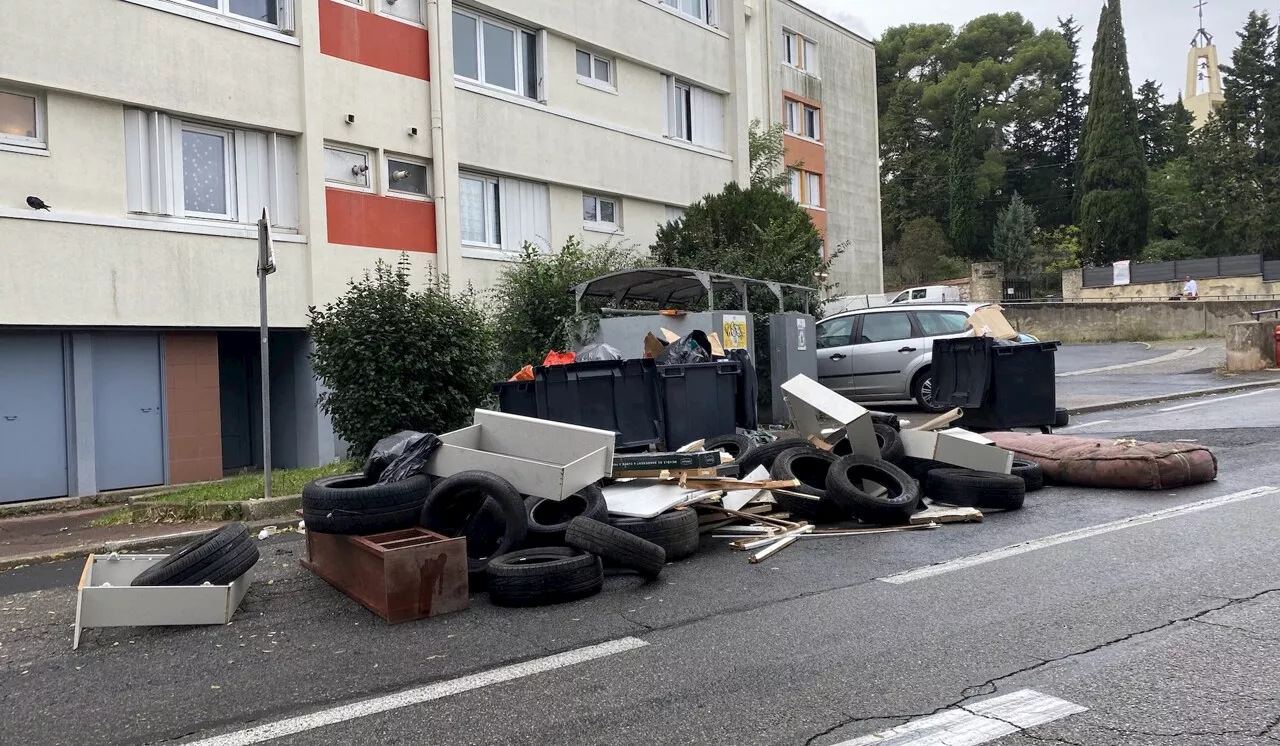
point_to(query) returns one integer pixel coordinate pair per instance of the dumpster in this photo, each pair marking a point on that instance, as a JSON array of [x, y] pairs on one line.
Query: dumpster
[[699, 400], [998, 385], [617, 395]]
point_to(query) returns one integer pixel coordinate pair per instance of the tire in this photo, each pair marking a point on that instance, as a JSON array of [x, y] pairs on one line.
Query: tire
[[547, 575], [230, 566], [977, 489], [1061, 417], [811, 466], [549, 519], [735, 445], [922, 392], [614, 544], [764, 455], [885, 418], [891, 447], [469, 503], [353, 504], [1030, 472], [920, 467], [194, 558], [676, 531], [844, 485]]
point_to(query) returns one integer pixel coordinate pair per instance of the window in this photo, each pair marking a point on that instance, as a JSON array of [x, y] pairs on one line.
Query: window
[[884, 327], [693, 114], [805, 187], [503, 214], [706, 11], [407, 177], [22, 120], [938, 323], [594, 70], [600, 213], [496, 54], [405, 10], [836, 332], [674, 213], [480, 203], [801, 119], [811, 129], [799, 52], [275, 13], [347, 167], [180, 168]]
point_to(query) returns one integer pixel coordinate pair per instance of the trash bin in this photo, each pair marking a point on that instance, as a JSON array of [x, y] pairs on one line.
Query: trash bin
[[699, 400], [618, 395], [517, 397], [999, 386]]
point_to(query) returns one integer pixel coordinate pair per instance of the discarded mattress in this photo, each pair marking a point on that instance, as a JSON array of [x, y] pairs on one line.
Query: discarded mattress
[[1123, 464]]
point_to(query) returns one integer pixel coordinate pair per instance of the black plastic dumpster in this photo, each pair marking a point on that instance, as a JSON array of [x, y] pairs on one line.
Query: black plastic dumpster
[[517, 397], [618, 395], [699, 400], [999, 385]]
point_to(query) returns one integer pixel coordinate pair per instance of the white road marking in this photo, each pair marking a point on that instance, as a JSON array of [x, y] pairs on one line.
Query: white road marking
[[1203, 402], [304, 723], [1013, 550], [977, 723], [1177, 355], [1082, 424]]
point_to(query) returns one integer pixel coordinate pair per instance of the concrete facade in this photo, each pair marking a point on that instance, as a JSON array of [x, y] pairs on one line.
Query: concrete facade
[[1251, 345]]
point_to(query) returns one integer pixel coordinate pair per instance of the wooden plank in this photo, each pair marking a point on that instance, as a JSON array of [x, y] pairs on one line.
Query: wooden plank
[[947, 514]]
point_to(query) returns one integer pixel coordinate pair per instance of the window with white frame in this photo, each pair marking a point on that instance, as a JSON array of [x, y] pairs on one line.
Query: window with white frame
[[802, 119], [706, 11], [594, 70], [277, 14], [500, 215], [805, 187], [480, 205], [601, 213], [674, 213], [348, 167], [180, 168], [799, 52], [22, 119], [405, 10], [407, 177], [497, 54], [693, 114]]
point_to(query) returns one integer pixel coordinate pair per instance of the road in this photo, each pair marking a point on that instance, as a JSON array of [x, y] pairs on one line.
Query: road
[[1149, 632]]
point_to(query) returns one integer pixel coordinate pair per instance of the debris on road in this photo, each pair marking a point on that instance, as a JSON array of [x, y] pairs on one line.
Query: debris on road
[[1121, 464]]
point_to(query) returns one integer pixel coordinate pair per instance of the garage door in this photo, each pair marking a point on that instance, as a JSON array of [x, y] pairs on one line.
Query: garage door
[[128, 422], [33, 417]]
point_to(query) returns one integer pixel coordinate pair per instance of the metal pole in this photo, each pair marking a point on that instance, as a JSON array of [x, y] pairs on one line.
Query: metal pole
[[266, 265]]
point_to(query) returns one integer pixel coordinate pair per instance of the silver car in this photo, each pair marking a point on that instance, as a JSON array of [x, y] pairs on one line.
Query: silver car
[[884, 354]]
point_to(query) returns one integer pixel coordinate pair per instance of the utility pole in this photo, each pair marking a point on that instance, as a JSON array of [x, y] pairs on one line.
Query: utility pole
[[266, 265]]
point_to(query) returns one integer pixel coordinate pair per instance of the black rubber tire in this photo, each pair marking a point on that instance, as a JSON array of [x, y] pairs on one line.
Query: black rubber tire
[[1061, 417], [466, 504], [763, 455], [976, 489], [545, 575], [735, 445], [811, 466], [920, 467], [613, 544], [891, 447], [354, 504], [195, 557], [1030, 472], [549, 519], [918, 393], [885, 418], [230, 566], [676, 531], [844, 486]]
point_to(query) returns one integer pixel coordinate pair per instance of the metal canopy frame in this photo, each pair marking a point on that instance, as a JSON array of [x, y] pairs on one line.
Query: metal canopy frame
[[667, 285]]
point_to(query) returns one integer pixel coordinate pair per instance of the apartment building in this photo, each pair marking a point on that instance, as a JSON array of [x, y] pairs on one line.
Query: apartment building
[[156, 131]]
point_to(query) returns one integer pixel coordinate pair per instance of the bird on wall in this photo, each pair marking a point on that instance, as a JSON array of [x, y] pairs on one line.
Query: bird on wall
[[35, 203]]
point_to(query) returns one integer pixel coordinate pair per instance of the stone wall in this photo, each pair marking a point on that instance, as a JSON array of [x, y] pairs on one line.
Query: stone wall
[[1213, 287], [986, 281], [1120, 321]]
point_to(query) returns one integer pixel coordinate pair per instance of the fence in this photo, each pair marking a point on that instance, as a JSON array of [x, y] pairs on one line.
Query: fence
[[1037, 286], [1227, 266]]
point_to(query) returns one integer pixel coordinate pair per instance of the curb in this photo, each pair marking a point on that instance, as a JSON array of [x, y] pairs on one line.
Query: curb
[[233, 510], [129, 545], [1127, 403]]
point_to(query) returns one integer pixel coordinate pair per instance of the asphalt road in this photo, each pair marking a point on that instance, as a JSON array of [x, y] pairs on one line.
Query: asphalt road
[[1161, 632]]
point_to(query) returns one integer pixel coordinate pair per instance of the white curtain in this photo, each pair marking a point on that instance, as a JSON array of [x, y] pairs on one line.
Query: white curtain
[[527, 208], [708, 119], [471, 209]]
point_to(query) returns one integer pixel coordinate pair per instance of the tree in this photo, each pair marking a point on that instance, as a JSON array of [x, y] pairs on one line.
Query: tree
[[766, 152], [922, 256], [1165, 129], [1113, 205], [394, 359], [964, 207], [1066, 129], [1014, 240], [1249, 81]]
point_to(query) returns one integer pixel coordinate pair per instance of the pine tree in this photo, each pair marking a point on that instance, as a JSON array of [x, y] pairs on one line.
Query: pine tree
[[1164, 129], [1066, 130], [1248, 82], [1014, 240], [1113, 205], [964, 189]]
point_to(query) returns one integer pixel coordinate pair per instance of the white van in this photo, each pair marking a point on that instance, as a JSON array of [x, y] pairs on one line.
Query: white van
[[928, 294]]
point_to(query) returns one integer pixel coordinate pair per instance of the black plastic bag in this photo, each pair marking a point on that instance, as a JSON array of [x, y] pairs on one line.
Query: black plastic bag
[[597, 352], [391, 449], [687, 349], [746, 411], [412, 460]]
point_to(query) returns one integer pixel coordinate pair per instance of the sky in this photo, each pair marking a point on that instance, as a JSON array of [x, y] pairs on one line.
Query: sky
[[1158, 31]]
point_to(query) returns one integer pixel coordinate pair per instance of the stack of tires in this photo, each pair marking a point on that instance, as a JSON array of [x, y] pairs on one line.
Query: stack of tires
[[217, 558]]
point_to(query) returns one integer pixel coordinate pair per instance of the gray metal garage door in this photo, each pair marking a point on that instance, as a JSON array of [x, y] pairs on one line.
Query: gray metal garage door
[[128, 422], [33, 417]]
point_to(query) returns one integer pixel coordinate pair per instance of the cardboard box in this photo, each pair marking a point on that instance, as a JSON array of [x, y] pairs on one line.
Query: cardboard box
[[807, 400], [958, 447], [988, 321]]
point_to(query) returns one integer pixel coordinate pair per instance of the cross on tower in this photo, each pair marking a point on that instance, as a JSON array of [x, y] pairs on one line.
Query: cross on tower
[[1202, 38]]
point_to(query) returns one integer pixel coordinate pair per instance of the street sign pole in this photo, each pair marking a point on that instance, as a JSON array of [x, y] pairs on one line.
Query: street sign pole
[[266, 265]]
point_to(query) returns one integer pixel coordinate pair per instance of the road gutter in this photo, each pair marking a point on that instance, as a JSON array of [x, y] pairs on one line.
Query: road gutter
[[1126, 403]]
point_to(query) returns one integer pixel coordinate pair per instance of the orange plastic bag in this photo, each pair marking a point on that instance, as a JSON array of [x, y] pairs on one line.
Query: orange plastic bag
[[524, 374], [559, 358]]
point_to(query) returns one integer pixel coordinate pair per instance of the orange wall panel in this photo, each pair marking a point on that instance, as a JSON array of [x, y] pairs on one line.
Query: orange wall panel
[[370, 39], [193, 406], [806, 154], [362, 219]]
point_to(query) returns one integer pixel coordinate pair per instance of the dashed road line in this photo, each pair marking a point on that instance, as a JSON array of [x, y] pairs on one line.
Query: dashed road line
[[977, 723]]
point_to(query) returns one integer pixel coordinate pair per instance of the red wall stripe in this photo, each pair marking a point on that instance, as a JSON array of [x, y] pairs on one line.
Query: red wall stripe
[[361, 219], [370, 39]]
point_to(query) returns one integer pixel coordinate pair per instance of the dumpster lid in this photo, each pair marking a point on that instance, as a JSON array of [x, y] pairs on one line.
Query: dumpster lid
[[674, 286]]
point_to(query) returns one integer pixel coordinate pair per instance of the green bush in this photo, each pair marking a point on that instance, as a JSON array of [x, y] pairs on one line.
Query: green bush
[[393, 358]]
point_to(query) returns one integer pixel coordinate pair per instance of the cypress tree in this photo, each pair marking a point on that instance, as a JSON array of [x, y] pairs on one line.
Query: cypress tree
[[964, 188], [1113, 205]]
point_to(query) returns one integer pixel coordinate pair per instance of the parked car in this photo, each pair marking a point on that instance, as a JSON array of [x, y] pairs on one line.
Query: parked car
[[884, 354], [929, 294]]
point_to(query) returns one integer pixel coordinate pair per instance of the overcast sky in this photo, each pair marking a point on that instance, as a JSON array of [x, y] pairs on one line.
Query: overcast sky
[[1159, 31]]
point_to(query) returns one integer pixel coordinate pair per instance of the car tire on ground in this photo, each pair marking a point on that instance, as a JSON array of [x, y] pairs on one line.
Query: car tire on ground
[[676, 531], [891, 447], [885, 418], [545, 575], [920, 467], [922, 392], [844, 485], [763, 455], [735, 445], [195, 558], [354, 504], [1061, 417], [549, 519], [469, 503], [1030, 472], [976, 489], [811, 466], [230, 565], [613, 544]]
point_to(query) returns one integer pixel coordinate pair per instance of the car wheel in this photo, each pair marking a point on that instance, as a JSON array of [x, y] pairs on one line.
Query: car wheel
[[922, 391]]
